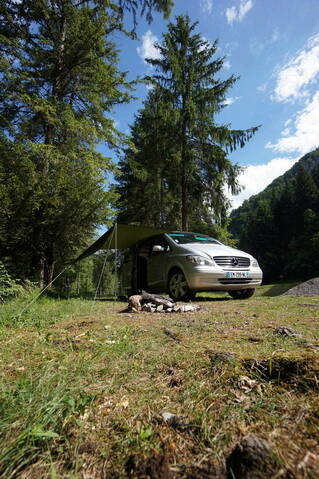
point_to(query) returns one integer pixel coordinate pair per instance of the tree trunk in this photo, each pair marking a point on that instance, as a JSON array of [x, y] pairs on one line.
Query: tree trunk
[[49, 265], [184, 209], [43, 242]]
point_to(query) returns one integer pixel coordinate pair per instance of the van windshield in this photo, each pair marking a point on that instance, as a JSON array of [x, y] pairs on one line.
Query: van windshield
[[185, 238]]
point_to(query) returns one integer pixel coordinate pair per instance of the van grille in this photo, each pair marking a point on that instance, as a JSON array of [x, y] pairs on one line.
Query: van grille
[[232, 261]]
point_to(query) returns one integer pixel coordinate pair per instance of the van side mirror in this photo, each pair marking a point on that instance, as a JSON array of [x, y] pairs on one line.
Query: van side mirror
[[158, 249]]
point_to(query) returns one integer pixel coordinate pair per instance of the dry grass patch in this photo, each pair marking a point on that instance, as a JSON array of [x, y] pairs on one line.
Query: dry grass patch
[[94, 383]]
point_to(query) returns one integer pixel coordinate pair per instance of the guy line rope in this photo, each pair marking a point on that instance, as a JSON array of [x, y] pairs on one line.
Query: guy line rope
[[69, 265]]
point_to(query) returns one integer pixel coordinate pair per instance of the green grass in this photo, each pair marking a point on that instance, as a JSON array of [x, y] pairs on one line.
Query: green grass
[[83, 386]]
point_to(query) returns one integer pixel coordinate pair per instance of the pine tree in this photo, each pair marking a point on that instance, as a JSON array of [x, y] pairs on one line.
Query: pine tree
[[147, 173], [185, 76], [59, 84]]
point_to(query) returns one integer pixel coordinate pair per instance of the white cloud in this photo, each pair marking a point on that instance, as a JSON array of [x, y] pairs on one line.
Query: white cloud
[[256, 178], [237, 14], [204, 39], [231, 100], [286, 132], [148, 49], [306, 127], [226, 64], [294, 77], [231, 14], [206, 6]]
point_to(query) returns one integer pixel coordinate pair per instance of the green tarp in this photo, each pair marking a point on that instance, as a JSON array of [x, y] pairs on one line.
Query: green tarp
[[120, 237]]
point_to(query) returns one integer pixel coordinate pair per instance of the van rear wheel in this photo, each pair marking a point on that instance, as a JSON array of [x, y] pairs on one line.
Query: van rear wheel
[[178, 288], [242, 293]]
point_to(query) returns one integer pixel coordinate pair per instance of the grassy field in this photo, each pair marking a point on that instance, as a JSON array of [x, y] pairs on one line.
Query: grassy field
[[84, 386]]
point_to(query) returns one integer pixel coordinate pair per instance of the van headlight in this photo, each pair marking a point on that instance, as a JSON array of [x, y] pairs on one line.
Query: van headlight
[[255, 263], [200, 260]]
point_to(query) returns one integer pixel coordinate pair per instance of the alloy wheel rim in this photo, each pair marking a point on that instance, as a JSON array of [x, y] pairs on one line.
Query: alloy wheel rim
[[178, 285]]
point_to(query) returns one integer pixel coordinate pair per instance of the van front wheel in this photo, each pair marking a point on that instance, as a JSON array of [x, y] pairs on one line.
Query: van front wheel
[[178, 288]]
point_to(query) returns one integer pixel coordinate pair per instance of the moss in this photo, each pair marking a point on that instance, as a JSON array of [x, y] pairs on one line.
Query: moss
[[295, 369]]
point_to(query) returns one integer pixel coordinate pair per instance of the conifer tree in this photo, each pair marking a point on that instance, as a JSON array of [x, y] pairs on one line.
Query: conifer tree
[[59, 82], [186, 79], [147, 183]]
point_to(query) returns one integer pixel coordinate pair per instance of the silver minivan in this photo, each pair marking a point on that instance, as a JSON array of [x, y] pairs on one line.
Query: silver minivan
[[183, 263]]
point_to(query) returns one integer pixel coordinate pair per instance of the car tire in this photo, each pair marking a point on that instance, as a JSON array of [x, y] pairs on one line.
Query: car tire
[[242, 293], [178, 288]]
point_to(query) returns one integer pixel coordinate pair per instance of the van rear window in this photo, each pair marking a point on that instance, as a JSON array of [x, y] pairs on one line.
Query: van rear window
[[185, 238]]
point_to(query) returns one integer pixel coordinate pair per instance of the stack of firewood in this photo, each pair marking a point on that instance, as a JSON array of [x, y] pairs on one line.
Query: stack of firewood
[[154, 303]]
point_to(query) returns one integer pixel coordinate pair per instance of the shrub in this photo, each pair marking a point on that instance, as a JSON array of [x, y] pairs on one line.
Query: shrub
[[8, 287]]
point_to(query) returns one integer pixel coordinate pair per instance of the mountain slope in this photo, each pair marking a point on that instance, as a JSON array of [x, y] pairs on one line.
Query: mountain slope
[[280, 225]]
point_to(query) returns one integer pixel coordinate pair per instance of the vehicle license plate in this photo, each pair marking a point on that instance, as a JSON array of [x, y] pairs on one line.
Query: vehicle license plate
[[237, 274]]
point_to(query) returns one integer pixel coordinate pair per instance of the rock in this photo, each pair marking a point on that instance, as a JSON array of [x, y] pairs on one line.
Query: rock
[[160, 308], [254, 339], [190, 307], [311, 346], [134, 303], [168, 310], [174, 382], [171, 334], [149, 308], [154, 467], [310, 461], [286, 332], [172, 419], [251, 458], [217, 357], [177, 309]]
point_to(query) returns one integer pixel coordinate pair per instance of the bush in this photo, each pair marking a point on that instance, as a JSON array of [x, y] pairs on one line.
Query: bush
[[8, 287]]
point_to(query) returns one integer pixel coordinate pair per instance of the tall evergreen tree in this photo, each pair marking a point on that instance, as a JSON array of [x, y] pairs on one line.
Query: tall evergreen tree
[[147, 174], [186, 79], [58, 85]]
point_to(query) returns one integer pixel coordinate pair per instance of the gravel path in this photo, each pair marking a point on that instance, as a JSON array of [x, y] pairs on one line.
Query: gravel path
[[308, 288]]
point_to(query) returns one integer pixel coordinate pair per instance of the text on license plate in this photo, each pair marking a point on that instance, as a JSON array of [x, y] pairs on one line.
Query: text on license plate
[[237, 274]]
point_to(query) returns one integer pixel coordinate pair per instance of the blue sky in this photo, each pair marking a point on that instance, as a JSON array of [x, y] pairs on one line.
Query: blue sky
[[273, 46]]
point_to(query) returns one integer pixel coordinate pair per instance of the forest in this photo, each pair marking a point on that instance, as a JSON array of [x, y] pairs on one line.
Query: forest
[[280, 225], [60, 82]]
